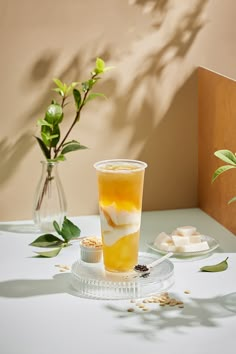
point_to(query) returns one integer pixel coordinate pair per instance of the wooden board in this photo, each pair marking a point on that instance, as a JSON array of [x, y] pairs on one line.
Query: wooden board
[[217, 130]]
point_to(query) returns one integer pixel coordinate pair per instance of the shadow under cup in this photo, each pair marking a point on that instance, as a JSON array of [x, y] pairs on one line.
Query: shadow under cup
[[120, 189]]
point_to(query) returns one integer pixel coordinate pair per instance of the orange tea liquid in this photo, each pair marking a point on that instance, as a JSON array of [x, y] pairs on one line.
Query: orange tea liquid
[[120, 185]]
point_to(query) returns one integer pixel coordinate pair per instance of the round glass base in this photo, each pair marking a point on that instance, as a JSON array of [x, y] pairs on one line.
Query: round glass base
[[93, 281]]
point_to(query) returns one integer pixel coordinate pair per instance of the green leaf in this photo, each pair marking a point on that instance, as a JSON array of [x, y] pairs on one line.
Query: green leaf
[[58, 83], [77, 98], [226, 156], [44, 148], [107, 68], [58, 158], [70, 142], [56, 227], [54, 114], [47, 240], [85, 86], [220, 170], [72, 147], [219, 267], [59, 91], [65, 87], [91, 96], [71, 88], [88, 85], [42, 122], [50, 136], [69, 230], [100, 65], [45, 134], [232, 200], [49, 254]]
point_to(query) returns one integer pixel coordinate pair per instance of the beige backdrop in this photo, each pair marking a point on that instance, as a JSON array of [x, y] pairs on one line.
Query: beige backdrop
[[151, 113]]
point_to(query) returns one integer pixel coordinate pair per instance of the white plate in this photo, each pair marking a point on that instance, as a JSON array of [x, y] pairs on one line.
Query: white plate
[[213, 244]]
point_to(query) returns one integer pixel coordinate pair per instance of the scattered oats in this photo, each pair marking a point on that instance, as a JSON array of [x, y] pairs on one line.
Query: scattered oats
[[67, 267], [156, 298], [164, 294], [162, 299], [141, 306], [173, 302], [62, 267], [180, 303], [145, 309], [130, 310]]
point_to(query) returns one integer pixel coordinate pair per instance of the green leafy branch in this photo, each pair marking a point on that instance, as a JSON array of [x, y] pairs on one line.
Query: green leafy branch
[[230, 158], [53, 146], [67, 232]]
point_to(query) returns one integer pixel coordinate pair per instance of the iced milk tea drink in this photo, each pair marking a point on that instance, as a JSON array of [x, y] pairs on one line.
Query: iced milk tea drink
[[120, 188]]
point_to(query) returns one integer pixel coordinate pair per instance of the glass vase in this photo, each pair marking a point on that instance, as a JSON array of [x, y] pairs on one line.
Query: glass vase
[[50, 202]]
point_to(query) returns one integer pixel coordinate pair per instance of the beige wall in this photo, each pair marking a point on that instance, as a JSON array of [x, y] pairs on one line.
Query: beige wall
[[151, 113]]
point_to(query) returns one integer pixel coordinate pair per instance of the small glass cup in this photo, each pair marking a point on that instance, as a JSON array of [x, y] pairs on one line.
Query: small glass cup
[[120, 189]]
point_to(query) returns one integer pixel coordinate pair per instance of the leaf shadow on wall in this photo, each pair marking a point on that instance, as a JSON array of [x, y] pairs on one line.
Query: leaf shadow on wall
[[124, 114], [12, 153], [172, 142], [154, 70], [158, 8], [39, 71], [170, 138], [43, 68], [167, 144]]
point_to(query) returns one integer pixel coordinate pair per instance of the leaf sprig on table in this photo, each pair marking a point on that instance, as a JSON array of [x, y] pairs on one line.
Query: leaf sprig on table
[[67, 232], [219, 267]]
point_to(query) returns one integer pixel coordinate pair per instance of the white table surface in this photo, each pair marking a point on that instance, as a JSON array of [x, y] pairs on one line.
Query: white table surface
[[39, 313]]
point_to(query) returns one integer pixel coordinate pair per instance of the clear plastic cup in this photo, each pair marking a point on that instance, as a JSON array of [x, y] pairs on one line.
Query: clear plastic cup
[[120, 189]]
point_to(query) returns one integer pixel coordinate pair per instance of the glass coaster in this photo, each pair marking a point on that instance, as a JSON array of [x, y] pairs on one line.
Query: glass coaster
[[93, 281]]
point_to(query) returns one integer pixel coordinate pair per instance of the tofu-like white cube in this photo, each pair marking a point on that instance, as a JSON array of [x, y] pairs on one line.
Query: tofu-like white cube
[[186, 230], [176, 233], [194, 247], [167, 246], [195, 238], [180, 240], [162, 237]]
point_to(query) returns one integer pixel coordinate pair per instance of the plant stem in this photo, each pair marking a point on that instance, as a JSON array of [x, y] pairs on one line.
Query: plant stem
[[76, 119], [45, 187]]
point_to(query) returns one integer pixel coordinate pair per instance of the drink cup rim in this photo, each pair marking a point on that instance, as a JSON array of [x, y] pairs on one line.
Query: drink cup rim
[[100, 165]]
